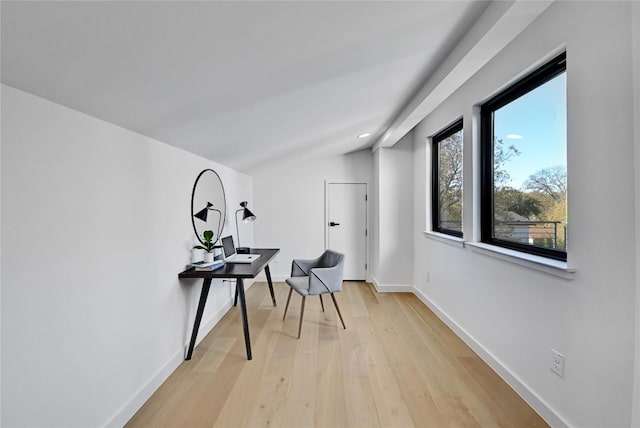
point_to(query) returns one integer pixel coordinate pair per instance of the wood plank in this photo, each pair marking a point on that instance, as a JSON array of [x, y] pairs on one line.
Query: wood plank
[[330, 407], [396, 365], [357, 307], [299, 408]]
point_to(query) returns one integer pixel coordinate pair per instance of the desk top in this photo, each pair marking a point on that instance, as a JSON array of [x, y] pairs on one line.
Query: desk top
[[236, 270]]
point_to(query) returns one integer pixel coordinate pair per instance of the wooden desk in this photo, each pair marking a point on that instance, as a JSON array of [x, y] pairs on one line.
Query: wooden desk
[[237, 271]]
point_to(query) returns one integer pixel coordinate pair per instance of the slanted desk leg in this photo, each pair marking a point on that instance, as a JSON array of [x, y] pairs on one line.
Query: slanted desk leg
[[268, 272], [235, 299], [206, 284], [243, 311]]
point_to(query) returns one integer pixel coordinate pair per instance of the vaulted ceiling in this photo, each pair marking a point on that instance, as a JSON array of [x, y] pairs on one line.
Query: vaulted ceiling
[[244, 83]]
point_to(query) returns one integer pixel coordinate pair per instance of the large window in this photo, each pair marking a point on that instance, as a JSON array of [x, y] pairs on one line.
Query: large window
[[446, 183], [524, 164]]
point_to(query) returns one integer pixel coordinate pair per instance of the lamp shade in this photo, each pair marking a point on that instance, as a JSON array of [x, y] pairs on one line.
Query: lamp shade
[[247, 215], [203, 213]]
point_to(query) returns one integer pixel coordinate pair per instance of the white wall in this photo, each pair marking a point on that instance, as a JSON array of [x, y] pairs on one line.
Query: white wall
[[392, 267], [0, 254], [289, 204], [374, 201], [96, 227], [511, 314], [636, 102]]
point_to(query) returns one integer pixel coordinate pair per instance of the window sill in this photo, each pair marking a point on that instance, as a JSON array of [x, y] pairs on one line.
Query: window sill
[[444, 238], [552, 267]]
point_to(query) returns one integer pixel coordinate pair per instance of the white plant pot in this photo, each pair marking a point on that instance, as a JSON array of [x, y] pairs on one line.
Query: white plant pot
[[208, 257], [196, 255]]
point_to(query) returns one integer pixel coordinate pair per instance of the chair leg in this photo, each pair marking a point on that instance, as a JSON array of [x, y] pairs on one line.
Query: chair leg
[[301, 315], [338, 309], [321, 302], [287, 307]]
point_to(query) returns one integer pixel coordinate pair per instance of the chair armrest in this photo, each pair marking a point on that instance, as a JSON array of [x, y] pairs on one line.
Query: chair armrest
[[325, 280], [302, 267]]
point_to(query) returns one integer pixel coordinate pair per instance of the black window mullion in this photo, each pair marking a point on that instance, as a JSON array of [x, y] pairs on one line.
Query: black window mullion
[[486, 171], [435, 186]]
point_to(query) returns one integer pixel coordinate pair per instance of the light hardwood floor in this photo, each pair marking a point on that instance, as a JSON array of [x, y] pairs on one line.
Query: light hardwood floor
[[396, 365]]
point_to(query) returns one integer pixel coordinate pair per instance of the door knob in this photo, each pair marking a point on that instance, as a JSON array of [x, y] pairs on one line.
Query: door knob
[[333, 224]]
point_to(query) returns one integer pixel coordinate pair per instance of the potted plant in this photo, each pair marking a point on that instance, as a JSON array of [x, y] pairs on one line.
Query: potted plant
[[208, 246]]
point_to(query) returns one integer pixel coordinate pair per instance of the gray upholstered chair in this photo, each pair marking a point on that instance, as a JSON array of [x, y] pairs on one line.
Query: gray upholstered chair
[[311, 277]]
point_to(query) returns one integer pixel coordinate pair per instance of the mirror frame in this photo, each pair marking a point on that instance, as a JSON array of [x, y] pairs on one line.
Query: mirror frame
[[223, 214]]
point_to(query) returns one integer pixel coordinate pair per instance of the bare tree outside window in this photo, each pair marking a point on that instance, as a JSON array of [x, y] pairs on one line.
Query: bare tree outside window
[[447, 180]]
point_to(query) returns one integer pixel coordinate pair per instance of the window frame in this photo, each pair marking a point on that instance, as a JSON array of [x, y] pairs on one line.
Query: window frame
[[453, 128], [533, 80]]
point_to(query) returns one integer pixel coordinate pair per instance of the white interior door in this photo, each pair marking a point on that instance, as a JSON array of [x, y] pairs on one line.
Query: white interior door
[[347, 226]]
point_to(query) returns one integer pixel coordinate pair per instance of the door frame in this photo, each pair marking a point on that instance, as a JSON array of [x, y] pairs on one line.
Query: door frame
[[328, 182]]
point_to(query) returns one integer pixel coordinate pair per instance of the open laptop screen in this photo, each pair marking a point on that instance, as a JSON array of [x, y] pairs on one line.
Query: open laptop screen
[[228, 246]]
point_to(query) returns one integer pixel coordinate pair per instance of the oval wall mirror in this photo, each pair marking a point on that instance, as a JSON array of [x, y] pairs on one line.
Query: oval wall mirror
[[208, 205]]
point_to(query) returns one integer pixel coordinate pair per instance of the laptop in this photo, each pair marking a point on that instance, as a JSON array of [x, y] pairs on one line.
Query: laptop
[[230, 256]]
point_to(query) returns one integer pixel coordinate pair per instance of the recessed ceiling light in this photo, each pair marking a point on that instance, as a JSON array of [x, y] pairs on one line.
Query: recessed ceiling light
[[514, 137], [364, 135]]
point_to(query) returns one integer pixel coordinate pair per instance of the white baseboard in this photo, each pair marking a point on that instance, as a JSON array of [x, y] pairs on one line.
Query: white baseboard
[[391, 288], [141, 396], [533, 399], [130, 408]]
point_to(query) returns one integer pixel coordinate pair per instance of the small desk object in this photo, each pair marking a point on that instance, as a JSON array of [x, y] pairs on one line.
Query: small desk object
[[237, 271]]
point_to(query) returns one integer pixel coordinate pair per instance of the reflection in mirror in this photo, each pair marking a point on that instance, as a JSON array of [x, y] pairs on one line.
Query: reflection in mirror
[[208, 205]]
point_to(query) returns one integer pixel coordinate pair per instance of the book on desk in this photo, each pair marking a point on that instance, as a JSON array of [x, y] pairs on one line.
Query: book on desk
[[207, 266]]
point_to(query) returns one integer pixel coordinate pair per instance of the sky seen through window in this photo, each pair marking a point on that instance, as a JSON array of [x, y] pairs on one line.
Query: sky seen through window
[[536, 124]]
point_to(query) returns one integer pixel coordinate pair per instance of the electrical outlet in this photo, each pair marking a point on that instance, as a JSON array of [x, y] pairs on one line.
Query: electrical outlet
[[557, 363]]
